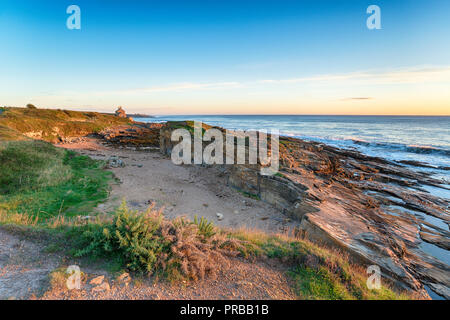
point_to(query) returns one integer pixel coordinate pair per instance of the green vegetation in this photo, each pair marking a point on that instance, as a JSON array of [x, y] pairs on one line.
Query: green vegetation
[[42, 181], [148, 243], [188, 125], [317, 273], [52, 125], [248, 194], [178, 249], [279, 174], [205, 227]]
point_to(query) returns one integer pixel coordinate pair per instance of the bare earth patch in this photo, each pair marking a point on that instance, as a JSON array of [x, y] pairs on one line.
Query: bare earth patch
[[24, 266], [244, 281]]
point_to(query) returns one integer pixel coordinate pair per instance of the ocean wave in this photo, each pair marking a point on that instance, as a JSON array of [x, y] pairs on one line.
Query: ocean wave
[[427, 150], [419, 149], [393, 147]]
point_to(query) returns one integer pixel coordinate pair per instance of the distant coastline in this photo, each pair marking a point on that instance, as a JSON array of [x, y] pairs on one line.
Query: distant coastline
[[132, 115]]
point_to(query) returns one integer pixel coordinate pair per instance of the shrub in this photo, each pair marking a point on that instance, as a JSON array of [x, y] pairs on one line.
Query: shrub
[[148, 243], [205, 228]]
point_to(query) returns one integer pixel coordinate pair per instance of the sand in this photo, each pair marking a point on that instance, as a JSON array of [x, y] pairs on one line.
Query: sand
[[186, 190]]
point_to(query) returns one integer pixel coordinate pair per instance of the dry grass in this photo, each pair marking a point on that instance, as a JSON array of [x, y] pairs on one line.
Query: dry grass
[[317, 271]]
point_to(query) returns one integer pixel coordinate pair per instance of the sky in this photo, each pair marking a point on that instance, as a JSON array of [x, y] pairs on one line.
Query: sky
[[227, 56]]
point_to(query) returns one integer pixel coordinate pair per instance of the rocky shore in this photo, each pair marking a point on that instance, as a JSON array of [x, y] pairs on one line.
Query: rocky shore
[[374, 210]]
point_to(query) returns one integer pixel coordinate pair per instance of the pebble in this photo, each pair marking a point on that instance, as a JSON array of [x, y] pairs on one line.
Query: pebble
[[103, 287], [97, 280]]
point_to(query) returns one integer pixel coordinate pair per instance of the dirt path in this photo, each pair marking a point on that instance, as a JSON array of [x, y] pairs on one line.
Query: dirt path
[[244, 281], [24, 266]]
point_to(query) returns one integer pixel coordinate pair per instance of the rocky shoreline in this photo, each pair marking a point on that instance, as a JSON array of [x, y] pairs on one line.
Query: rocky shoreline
[[374, 210]]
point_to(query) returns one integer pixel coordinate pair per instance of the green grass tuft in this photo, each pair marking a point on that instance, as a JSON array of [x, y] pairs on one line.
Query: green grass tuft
[[42, 181]]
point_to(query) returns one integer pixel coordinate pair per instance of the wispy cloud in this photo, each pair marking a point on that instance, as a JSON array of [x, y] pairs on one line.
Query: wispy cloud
[[398, 76], [357, 98], [335, 87], [187, 86]]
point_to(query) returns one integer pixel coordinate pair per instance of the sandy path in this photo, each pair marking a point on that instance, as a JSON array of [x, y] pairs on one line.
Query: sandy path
[[24, 266], [187, 191]]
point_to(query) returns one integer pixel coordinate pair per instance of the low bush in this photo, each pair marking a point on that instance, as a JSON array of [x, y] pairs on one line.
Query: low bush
[[149, 244]]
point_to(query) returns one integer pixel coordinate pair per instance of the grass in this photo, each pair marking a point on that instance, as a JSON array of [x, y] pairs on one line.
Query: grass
[[52, 125], [279, 174], [39, 182], [248, 194], [316, 272]]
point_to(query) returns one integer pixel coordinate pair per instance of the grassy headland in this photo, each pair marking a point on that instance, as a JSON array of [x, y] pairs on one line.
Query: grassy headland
[[52, 125]]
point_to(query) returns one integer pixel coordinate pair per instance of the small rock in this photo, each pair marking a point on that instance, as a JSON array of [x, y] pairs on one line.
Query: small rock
[[124, 278], [97, 280], [115, 162], [219, 216], [103, 287]]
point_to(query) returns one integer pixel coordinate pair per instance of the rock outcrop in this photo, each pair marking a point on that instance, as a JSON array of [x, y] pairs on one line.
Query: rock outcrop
[[138, 135], [374, 210]]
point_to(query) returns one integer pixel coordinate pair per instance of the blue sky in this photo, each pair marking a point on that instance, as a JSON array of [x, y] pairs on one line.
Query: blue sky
[[185, 57]]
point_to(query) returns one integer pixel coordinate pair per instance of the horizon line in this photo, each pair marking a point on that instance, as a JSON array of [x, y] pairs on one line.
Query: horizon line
[[242, 114], [301, 114]]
